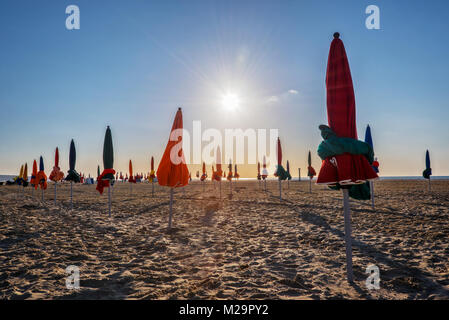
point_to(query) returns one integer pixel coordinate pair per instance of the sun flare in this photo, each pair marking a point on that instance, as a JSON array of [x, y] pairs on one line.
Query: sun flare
[[230, 101]]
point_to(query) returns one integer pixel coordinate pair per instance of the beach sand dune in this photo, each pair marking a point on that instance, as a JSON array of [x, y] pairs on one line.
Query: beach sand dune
[[248, 246]]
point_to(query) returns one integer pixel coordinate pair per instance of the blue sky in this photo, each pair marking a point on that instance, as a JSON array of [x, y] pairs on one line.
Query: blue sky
[[133, 63]]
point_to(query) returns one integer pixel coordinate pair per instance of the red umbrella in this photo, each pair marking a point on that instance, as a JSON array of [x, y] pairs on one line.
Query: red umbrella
[[172, 171], [345, 169]]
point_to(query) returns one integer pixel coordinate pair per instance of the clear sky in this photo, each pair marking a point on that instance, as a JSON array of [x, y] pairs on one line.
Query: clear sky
[[133, 63]]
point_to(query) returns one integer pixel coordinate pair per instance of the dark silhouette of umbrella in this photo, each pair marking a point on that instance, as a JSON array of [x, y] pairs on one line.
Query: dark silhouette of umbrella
[[428, 171]]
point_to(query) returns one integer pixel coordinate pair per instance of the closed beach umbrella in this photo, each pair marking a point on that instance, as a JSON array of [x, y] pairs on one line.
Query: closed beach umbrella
[[42, 177], [106, 178], [375, 164], [236, 174], [280, 173], [289, 176], [25, 175], [172, 171], [72, 175], [346, 161], [264, 172], [230, 175], [310, 171], [132, 179], [33, 180], [152, 176], [203, 175], [56, 174], [99, 172], [218, 174], [428, 171]]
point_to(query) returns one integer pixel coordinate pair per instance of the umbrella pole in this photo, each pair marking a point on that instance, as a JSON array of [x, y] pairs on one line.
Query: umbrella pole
[[55, 192], [32, 191], [348, 240], [171, 208], [109, 201], [280, 189], [288, 184], [230, 184], [430, 189], [42, 195], [265, 184], [203, 186], [220, 188], [310, 185], [372, 193], [152, 188], [71, 195]]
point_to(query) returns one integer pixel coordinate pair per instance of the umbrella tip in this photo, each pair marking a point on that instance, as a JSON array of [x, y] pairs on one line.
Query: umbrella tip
[[336, 35], [179, 109]]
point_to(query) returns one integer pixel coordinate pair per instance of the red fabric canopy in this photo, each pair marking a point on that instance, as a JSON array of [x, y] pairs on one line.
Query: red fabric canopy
[[346, 168], [279, 151], [173, 173]]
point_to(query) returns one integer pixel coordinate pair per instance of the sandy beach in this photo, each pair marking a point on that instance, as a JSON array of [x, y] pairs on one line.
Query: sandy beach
[[248, 246]]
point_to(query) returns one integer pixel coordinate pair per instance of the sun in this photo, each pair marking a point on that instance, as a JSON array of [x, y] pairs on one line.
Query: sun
[[230, 101]]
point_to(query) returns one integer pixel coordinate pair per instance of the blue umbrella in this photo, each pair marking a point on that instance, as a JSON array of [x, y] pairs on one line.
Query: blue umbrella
[[41, 164], [369, 140]]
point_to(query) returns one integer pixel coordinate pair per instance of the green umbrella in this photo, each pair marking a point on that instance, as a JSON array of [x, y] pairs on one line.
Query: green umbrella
[[108, 154]]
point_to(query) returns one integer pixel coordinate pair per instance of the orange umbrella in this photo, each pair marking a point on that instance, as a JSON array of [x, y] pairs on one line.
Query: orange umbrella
[[132, 179], [56, 174], [172, 171]]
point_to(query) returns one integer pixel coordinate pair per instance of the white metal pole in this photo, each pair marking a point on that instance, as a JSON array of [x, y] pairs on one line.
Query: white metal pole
[[109, 201], [348, 240], [280, 189], [171, 208]]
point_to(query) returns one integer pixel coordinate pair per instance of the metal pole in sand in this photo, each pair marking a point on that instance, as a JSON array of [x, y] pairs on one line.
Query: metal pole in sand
[[265, 184], [299, 174], [230, 184], [372, 193], [42, 195], [220, 188], [430, 188], [152, 188], [310, 185], [280, 189], [55, 192], [109, 201], [348, 240], [71, 195], [171, 208]]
